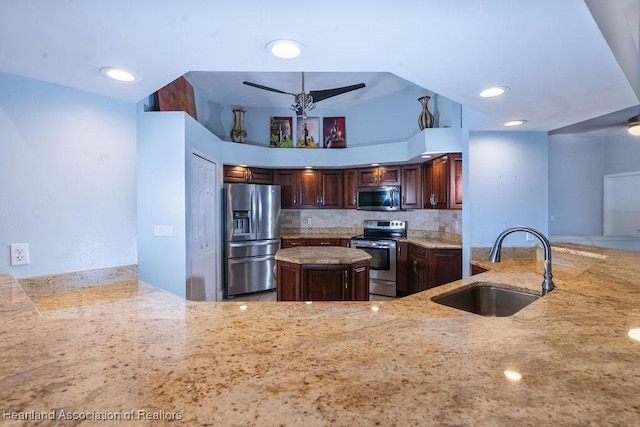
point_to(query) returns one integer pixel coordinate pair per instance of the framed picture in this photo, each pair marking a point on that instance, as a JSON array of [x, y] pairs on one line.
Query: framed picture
[[308, 132], [177, 96], [334, 134], [281, 132]]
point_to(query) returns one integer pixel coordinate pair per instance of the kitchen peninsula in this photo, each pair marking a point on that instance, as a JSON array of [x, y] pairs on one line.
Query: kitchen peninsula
[[130, 347]]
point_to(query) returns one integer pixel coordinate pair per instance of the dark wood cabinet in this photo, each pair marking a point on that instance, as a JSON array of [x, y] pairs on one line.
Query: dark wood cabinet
[[247, 175], [379, 175], [350, 189], [402, 258], [455, 181], [330, 188], [442, 187], [445, 266], [428, 268], [417, 272], [411, 186], [293, 242], [289, 187], [310, 189], [289, 242], [475, 269], [322, 282]]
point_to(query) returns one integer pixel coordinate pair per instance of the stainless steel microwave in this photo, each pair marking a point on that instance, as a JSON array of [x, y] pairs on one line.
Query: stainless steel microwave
[[385, 198]]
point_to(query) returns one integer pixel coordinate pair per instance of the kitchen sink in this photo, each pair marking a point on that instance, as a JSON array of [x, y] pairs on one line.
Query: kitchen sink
[[487, 299]]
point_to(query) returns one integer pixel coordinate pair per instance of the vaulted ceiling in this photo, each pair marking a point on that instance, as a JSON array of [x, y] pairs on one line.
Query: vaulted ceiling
[[562, 65]]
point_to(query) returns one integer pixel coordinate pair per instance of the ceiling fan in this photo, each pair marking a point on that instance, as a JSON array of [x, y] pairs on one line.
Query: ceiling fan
[[305, 102]]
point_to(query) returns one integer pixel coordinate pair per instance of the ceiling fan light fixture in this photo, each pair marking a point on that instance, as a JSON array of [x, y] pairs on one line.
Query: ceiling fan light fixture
[[284, 48], [634, 129]]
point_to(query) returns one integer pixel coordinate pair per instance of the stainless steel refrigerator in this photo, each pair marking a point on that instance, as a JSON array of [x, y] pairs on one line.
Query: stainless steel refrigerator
[[252, 229]]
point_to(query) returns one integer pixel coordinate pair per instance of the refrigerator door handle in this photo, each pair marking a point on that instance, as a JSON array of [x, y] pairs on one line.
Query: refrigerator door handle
[[252, 243]]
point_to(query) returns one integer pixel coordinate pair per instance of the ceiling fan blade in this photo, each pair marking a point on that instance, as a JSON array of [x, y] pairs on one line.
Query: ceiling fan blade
[[267, 88], [319, 95]]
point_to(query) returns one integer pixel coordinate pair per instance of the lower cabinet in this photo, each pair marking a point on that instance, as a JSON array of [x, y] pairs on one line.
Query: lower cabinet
[[418, 269], [475, 269], [322, 282], [428, 268], [312, 241]]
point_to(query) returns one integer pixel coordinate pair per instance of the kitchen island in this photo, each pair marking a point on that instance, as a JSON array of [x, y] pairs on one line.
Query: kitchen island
[[309, 273], [135, 352]]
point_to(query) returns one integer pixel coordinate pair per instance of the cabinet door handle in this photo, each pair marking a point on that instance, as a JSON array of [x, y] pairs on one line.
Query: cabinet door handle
[[415, 266], [346, 279], [250, 176], [294, 200], [399, 249]]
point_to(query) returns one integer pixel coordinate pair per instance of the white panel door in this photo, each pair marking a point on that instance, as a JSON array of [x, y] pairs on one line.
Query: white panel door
[[621, 214], [202, 284]]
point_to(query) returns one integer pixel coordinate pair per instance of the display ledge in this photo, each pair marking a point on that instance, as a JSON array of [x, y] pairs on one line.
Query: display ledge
[[433, 141]]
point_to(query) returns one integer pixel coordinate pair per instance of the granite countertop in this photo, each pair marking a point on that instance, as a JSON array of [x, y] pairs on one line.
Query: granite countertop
[[112, 351], [426, 242], [322, 255]]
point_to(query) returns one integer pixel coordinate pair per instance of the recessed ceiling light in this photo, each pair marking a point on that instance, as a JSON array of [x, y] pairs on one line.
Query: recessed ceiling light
[[426, 156], [375, 164], [118, 74], [515, 122], [493, 91], [285, 49]]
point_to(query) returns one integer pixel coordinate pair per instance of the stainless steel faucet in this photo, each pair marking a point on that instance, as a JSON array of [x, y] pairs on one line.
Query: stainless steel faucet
[[494, 256]]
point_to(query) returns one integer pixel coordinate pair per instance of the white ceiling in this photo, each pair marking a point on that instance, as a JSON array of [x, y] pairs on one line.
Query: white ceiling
[[551, 53]]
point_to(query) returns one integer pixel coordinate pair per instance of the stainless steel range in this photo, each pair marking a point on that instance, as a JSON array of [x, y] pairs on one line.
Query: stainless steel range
[[379, 241]]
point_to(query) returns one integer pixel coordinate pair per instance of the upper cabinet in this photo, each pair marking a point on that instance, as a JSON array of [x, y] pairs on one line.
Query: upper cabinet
[[248, 175], [436, 184], [411, 186], [350, 189], [310, 189], [443, 182], [379, 176]]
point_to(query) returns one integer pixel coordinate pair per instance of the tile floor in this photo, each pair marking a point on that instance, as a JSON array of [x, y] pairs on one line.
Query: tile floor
[[271, 296]]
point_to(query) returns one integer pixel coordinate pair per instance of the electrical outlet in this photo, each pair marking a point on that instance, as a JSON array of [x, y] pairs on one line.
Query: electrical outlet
[[19, 253]]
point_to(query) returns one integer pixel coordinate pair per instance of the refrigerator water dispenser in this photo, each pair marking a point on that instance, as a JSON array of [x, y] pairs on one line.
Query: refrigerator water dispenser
[[241, 223]]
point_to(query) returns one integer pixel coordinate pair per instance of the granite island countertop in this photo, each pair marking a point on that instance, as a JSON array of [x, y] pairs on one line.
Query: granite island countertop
[[322, 255], [119, 349]]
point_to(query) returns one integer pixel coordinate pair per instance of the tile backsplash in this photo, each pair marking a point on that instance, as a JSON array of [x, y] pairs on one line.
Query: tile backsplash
[[445, 224]]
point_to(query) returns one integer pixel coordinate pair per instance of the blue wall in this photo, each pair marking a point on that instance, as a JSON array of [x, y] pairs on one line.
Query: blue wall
[[67, 177], [577, 165], [165, 144], [508, 185]]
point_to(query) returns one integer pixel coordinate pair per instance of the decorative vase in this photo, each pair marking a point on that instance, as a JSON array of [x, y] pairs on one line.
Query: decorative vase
[[238, 132], [425, 120]]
